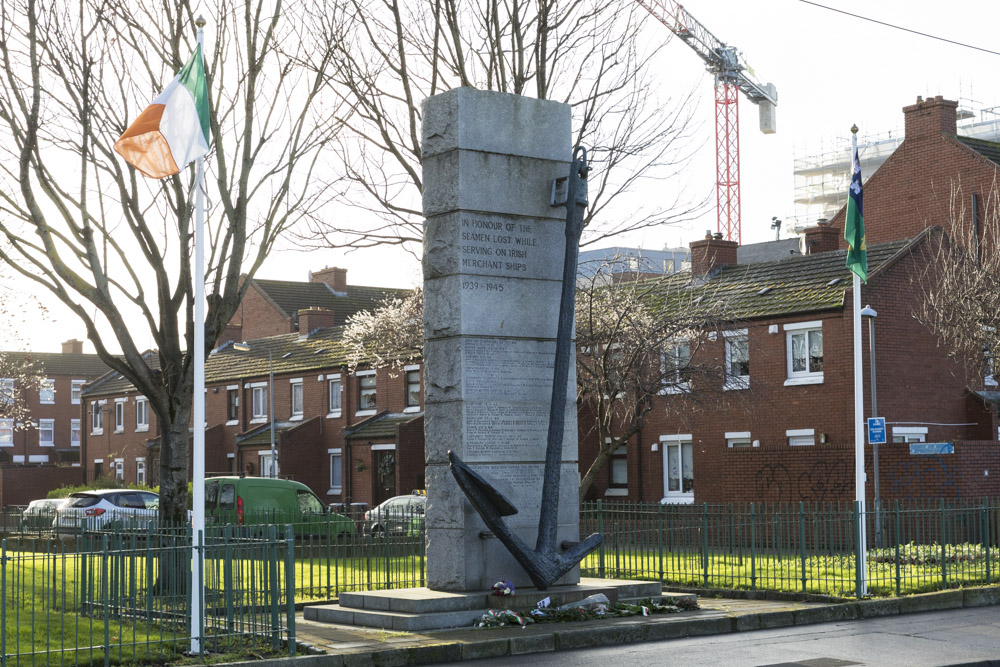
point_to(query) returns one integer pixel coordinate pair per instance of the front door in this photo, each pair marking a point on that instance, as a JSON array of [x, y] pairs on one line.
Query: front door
[[385, 474]]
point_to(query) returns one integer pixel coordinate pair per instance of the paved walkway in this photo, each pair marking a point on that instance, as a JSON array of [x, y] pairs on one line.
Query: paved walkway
[[348, 646]]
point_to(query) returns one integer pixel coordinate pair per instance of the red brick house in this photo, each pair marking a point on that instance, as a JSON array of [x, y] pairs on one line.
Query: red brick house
[[41, 456], [353, 437], [789, 357]]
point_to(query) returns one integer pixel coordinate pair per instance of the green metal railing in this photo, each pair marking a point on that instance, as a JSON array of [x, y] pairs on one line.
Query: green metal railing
[[115, 598], [913, 546]]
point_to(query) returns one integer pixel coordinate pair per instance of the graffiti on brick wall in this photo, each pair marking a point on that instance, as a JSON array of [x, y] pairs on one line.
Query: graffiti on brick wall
[[923, 477], [822, 481]]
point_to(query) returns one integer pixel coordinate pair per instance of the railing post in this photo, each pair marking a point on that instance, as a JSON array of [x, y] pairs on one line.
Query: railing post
[[984, 534], [290, 587], [105, 595], [659, 538], [227, 574], [944, 552], [802, 542], [272, 560], [898, 540], [600, 549], [753, 545], [704, 542], [3, 603]]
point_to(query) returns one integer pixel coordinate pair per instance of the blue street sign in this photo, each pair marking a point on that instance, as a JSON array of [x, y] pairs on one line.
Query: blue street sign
[[876, 430]]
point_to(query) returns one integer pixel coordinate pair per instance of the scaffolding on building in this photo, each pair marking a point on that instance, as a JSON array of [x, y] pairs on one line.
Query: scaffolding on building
[[821, 178]]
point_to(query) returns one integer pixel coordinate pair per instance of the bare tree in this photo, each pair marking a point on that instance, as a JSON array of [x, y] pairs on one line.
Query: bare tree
[[391, 55], [960, 285], [117, 248], [639, 338]]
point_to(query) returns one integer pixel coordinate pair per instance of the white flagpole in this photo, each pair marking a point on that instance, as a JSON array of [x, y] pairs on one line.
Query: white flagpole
[[859, 429], [198, 454]]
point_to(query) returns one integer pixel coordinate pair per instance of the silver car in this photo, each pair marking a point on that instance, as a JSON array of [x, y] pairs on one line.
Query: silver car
[[108, 509]]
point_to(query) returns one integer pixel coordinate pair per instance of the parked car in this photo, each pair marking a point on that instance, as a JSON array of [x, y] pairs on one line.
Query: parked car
[[39, 514], [400, 515], [108, 509], [255, 501]]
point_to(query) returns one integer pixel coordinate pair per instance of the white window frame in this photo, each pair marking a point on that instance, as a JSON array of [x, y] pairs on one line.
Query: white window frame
[[336, 457], [120, 414], [76, 391], [617, 488], [7, 390], [47, 386], [678, 385], [364, 412], [406, 383], [258, 389], [50, 426], [140, 470], [677, 441], [806, 376], [141, 414], [97, 417], [233, 388], [738, 439], [119, 466], [74, 428], [801, 437], [736, 382], [264, 461], [908, 434], [334, 387], [295, 387], [6, 432], [989, 368]]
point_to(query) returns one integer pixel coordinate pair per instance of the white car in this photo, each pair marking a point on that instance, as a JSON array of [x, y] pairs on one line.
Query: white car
[[108, 509]]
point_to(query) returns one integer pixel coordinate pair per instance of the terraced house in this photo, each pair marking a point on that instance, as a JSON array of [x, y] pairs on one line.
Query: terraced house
[[353, 436], [786, 433]]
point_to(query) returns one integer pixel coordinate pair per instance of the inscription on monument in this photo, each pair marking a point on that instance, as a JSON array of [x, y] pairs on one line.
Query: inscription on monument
[[507, 370], [515, 432], [496, 245]]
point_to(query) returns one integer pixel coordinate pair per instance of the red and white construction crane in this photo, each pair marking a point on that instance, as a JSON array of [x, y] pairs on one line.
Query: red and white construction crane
[[732, 75]]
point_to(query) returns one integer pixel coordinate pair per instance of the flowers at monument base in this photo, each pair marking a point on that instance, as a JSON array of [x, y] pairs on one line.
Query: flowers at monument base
[[593, 607], [503, 588]]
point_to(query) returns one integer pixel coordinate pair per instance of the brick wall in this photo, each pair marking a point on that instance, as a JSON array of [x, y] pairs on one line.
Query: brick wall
[[19, 485], [260, 317]]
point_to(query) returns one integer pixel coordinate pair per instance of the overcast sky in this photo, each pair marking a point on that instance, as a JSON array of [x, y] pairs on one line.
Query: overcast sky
[[830, 70]]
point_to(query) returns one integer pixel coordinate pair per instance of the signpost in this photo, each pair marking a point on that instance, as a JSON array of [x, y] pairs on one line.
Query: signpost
[[876, 430]]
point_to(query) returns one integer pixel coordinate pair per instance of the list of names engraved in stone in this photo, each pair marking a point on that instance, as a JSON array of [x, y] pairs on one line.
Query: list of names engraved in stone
[[496, 244], [521, 483], [507, 370], [505, 432]]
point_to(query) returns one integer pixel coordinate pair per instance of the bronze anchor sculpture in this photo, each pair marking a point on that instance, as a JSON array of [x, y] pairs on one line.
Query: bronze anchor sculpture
[[548, 560]]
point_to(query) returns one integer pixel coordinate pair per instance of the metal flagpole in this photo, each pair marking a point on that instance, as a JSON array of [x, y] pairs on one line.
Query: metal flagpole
[[859, 429], [198, 458]]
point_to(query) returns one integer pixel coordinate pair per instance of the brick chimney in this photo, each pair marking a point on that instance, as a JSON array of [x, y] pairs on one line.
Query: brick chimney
[[824, 237], [332, 276], [311, 319], [930, 118], [712, 253], [72, 347], [232, 332]]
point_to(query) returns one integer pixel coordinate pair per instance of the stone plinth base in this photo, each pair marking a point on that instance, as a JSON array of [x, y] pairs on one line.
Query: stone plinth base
[[420, 609]]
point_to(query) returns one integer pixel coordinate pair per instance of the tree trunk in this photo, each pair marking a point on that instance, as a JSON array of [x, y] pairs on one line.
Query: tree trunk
[[603, 456], [174, 562]]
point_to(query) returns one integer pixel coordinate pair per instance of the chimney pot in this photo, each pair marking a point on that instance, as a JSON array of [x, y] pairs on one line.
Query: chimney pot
[[712, 253], [72, 346]]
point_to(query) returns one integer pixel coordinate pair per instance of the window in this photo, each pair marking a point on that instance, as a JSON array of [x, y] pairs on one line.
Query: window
[[804, 349], [119, 415], [47, 432], [260, 402], [737, 359], [98, 468], [296, 386], [413, 388], [74, 433], [141, 414], [678, 469], [7, 390], [366, 392], [802, 437], [233, 404], [47, 391], [6, 432], [96, 418], [119, 469], [336, 470], [266, 461], [989, 369], [909, 434], [738, 439], [140, 471], [618, 471], [335, 389], [76, 390], [675, 364]]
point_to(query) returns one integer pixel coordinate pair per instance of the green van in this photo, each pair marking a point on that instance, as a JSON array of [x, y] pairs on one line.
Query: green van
[[254, 501]]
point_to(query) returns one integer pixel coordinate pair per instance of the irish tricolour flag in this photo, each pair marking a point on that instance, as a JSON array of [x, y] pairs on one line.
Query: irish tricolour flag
[[173, 131]]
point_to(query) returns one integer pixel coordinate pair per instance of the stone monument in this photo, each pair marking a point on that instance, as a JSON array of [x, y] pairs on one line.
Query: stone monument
[[493, 268]]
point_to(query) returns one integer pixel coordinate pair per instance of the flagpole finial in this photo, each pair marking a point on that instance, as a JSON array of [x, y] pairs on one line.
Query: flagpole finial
[[854, 129], [200, 21]]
